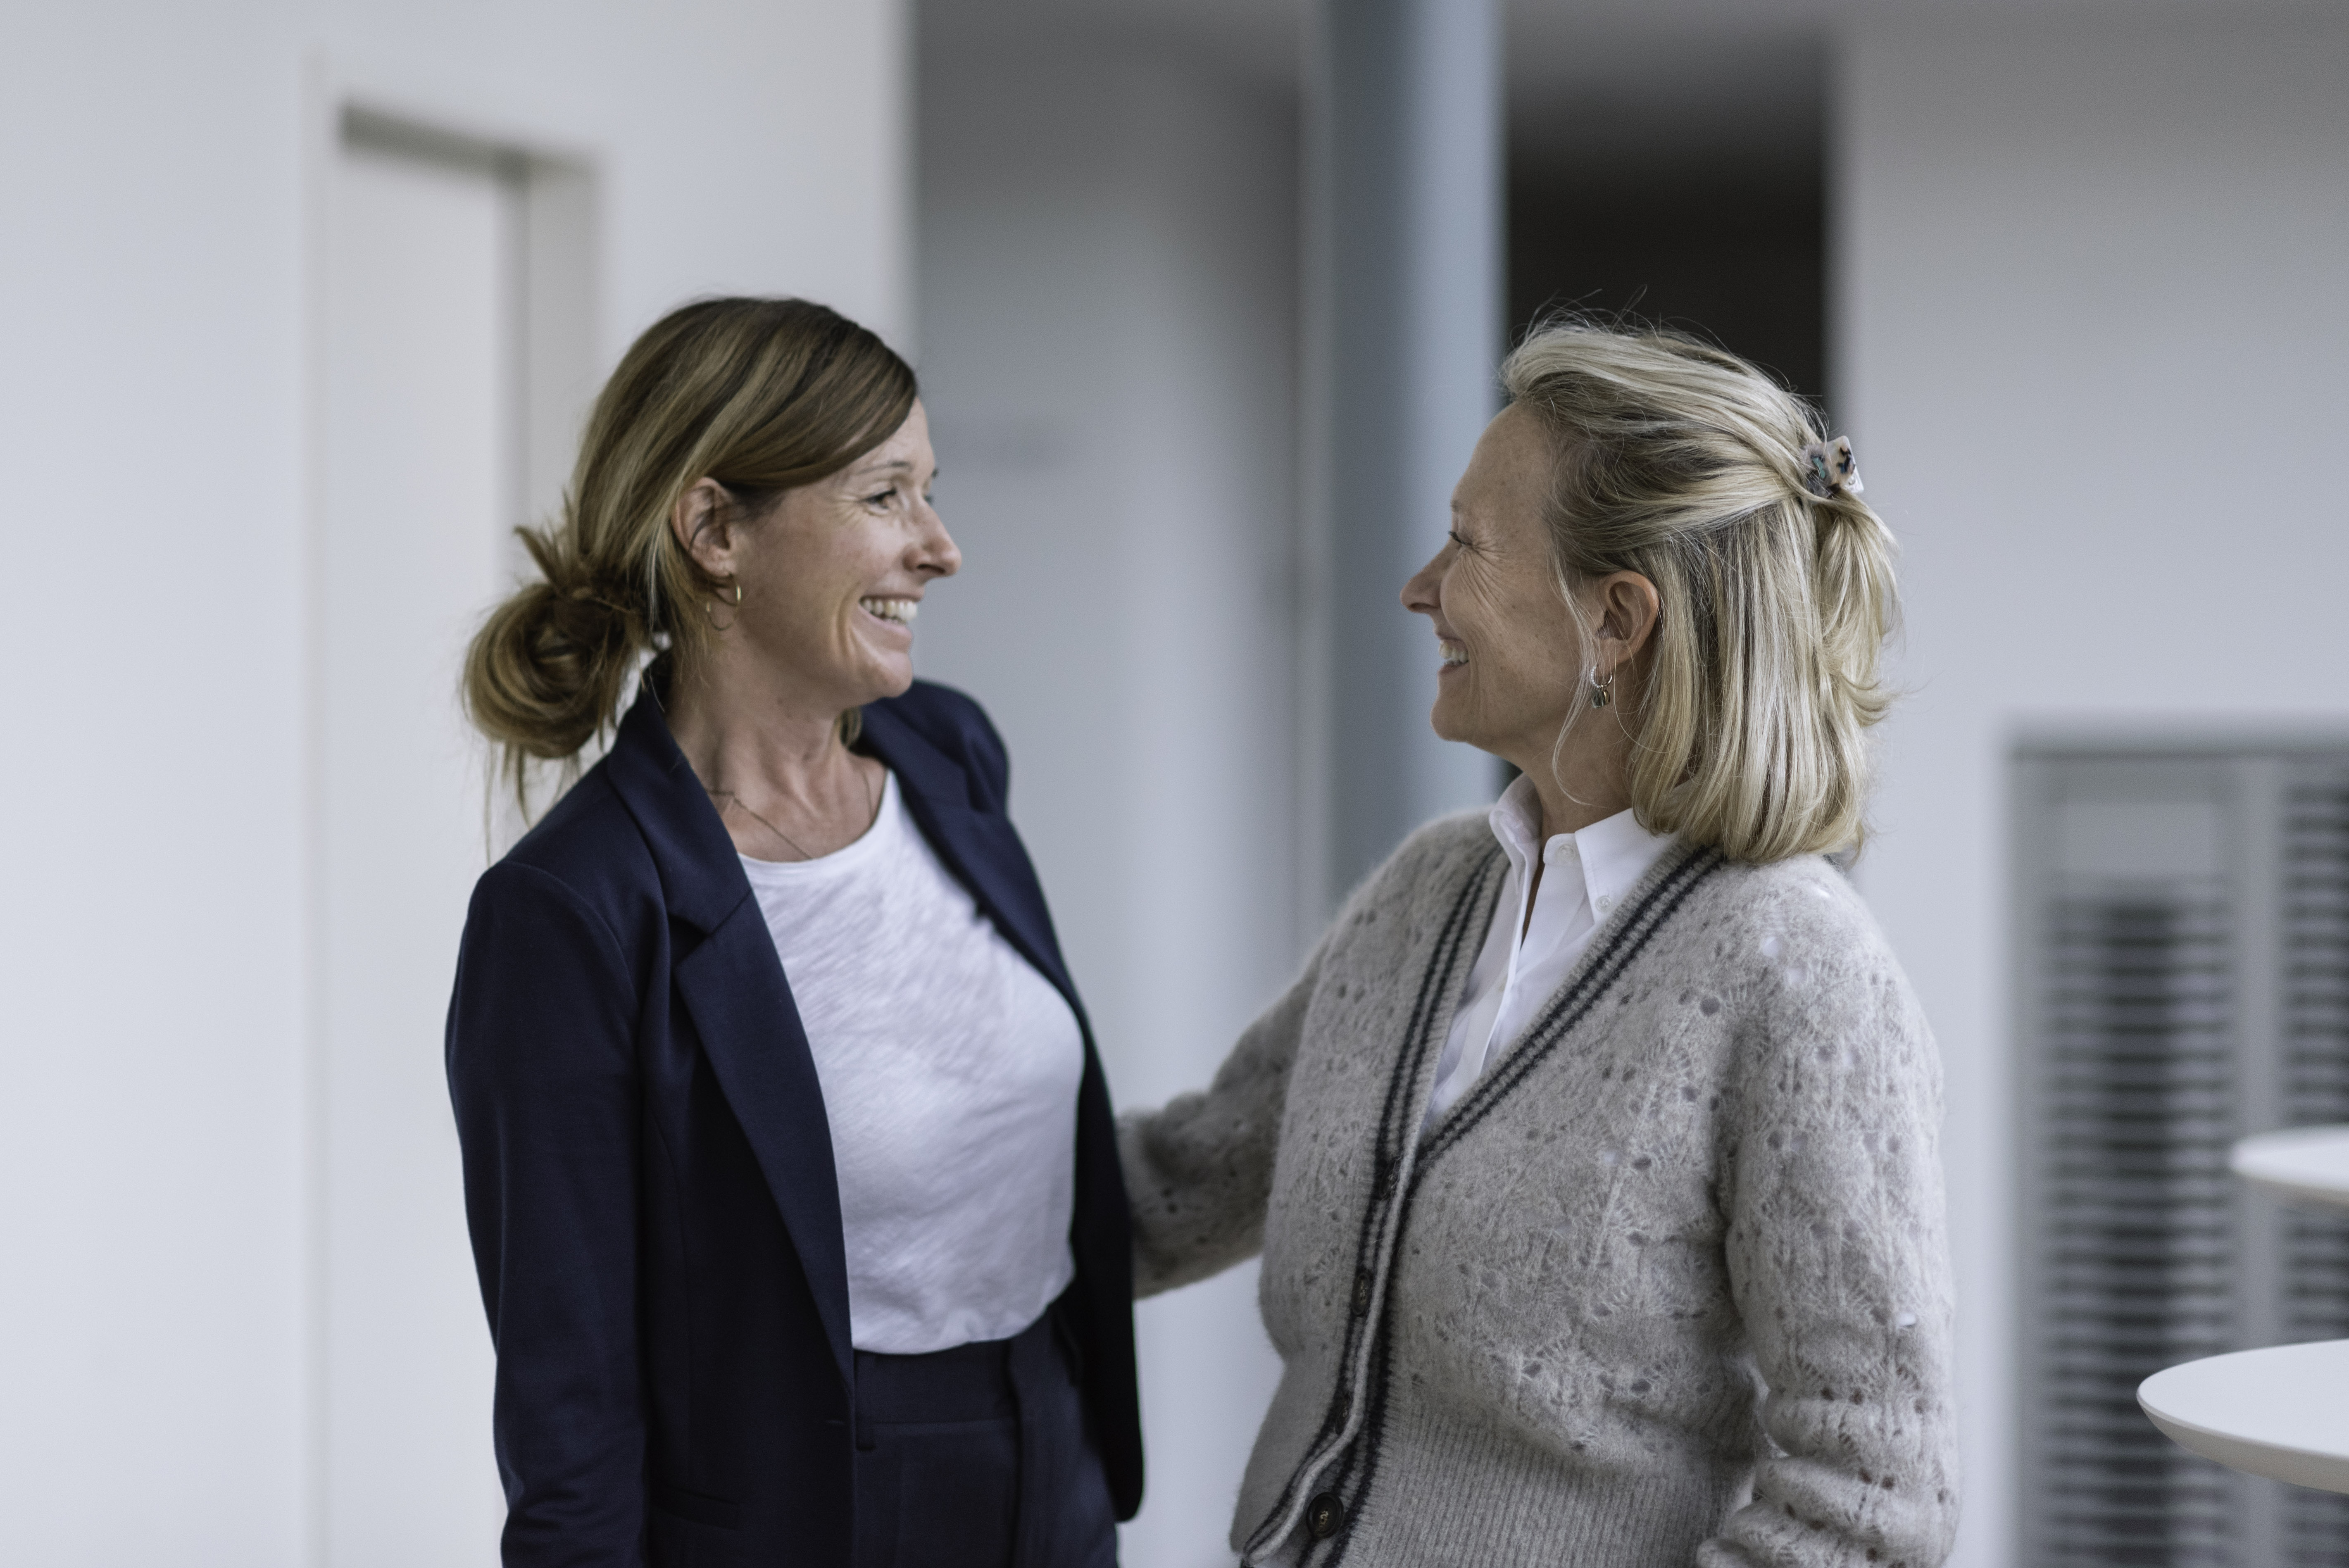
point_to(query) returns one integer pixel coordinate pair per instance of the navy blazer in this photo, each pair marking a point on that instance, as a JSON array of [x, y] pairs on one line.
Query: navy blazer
[[648, 1172]]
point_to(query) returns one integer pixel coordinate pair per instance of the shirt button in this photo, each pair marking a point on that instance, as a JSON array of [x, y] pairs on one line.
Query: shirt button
[[1606, 903], [1323, 1515], [1361, 1292]]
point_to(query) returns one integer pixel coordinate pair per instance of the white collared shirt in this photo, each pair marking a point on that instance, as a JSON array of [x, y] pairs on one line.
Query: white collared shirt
[[1586, 875]]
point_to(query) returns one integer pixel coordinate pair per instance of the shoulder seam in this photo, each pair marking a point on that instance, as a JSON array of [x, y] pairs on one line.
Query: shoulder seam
[[579, 904]]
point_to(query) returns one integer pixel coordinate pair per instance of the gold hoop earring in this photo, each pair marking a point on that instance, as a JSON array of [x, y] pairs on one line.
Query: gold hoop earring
[[709, 607], [1602, 692]]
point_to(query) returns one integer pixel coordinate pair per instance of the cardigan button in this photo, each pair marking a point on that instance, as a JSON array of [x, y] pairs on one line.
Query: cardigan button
[[1323, 1515], [1361, 1292], [1385, 1189]]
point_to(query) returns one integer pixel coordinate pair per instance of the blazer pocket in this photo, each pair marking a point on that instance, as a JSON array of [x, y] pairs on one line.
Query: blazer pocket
[[696, 1507]]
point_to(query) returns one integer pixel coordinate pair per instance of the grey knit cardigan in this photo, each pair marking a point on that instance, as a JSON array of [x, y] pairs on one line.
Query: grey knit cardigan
[[1668, 1285]]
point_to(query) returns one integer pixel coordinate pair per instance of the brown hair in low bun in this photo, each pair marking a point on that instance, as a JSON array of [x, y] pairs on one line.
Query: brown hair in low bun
[[760, 394]]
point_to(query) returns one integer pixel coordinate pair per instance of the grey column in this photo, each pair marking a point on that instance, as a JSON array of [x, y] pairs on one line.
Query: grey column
[[1405, 323]]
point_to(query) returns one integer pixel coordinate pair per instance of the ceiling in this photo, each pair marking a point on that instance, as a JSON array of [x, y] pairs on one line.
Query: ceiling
[[1616, 79], [1612, 81]]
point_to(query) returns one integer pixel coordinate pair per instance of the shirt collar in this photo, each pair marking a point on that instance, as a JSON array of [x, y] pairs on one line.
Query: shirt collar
[[1615, 851], [1517, 821]]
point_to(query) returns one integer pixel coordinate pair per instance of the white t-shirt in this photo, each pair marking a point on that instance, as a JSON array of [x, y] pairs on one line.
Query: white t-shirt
[[949, 1068], [1585, 875]]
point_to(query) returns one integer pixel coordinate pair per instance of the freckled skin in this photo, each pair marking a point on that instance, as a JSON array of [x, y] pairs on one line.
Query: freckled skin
[[1493, 591], [757, 717], [868, 531], [1492, 588]]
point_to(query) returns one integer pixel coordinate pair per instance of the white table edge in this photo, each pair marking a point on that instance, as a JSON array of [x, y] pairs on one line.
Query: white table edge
[[2249, 1159], [2284, 1187], [2301, 1462]]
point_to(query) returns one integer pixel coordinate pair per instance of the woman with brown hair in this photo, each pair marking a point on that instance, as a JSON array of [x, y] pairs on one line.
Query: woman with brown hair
[[788, 1158]]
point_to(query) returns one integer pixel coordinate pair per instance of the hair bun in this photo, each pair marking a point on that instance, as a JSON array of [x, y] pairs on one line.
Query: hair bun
[[544, 673]]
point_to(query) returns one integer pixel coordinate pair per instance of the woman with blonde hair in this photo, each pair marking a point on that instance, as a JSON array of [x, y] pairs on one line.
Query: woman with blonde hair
[[1593, 1156], [788, 1160]]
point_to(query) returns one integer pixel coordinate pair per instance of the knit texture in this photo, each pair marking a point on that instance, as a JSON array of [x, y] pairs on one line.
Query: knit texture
[[1669, 1285]]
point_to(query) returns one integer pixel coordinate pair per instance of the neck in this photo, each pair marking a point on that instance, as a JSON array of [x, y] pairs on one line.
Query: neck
[[756, 739], [1588, 779], [1562, 813]]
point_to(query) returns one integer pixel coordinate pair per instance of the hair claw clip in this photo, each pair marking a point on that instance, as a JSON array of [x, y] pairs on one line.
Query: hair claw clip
[[1829, 469]]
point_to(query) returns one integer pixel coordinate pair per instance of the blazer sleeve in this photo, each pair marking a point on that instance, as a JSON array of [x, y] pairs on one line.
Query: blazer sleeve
[[1198, 1173], [1838, 1261], [542, 1072]]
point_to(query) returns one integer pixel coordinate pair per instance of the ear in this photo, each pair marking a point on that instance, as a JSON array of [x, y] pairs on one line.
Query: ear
[[703, 521], [1629, 608]]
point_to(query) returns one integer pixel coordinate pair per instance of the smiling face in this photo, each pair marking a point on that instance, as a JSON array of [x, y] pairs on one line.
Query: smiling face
[[832, 575], [1512, 661]]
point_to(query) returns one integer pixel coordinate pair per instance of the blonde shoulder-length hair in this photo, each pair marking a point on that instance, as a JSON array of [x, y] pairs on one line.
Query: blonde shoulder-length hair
[[1683, 463]]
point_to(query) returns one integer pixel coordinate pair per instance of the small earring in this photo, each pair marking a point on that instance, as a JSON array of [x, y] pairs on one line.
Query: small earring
[[709, 608], [1602, 692]]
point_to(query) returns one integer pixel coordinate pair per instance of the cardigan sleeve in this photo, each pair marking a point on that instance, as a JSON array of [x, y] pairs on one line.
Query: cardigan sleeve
[[1198, 1172], [542, 1072], [1837, 1256]]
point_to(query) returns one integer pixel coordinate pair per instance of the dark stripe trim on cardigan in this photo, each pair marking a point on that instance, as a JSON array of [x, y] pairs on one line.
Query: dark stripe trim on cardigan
[[1393, 1153], [1631, 939], [1596, 976]]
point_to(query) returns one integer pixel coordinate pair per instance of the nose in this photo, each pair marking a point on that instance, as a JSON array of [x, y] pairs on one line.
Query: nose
[[1421, 594], [936, 553]]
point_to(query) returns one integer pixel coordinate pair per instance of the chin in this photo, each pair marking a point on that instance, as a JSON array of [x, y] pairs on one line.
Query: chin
[[889, 680], [1448, 722]]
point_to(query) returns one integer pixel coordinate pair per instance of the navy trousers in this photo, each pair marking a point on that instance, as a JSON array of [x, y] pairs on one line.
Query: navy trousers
[[979, 1456]]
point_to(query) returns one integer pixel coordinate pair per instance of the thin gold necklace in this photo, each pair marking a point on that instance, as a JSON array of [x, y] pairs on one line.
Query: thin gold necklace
[[872, 813]]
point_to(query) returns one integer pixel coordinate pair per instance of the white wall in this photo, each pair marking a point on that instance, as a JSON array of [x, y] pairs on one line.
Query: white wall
[[417, 491], [1108, 276], [155, 161], [2092, 323]]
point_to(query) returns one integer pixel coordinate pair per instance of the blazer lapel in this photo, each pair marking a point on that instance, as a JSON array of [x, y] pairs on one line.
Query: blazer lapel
[[733, 988], [980, 847], [986, 853]]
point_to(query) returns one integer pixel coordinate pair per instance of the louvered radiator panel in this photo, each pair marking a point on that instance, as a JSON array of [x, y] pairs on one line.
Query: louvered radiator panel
[[2185, 969], [2137, 1245], [2315, 1304]]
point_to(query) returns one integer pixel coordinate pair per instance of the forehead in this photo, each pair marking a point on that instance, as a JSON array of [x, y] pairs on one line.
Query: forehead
[[907, 448], [1512, 459]]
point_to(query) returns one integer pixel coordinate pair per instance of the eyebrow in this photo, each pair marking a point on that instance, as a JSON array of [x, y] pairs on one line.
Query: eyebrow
[[895, 466]]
